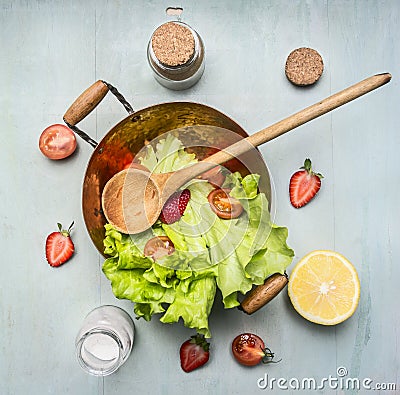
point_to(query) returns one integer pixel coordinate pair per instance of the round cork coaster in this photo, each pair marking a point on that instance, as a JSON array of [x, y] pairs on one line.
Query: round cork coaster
[[173, 44], [304, 66]]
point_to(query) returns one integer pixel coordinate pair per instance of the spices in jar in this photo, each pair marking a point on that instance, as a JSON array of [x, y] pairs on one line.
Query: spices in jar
[[176, 55]]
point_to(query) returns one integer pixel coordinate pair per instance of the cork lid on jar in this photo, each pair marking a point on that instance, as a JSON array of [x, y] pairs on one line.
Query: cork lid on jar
[[173, 44]]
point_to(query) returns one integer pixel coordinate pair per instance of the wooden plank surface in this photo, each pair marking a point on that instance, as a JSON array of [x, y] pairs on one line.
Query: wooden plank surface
[[53, 50]]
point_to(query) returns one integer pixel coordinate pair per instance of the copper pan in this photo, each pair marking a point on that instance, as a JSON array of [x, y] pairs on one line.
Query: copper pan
[[120, 145]]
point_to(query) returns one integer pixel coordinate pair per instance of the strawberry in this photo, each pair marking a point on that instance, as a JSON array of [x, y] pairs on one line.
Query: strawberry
[[59, 246], [304, 185], [194, 353], [175, 206]]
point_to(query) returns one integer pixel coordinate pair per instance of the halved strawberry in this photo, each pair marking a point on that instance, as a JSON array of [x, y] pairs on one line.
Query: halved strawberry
[[194, 353], [175, 206], [59, 246], [304, 185]]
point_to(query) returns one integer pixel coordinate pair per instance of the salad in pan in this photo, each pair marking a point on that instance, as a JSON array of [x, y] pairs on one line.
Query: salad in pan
[[214, 234]]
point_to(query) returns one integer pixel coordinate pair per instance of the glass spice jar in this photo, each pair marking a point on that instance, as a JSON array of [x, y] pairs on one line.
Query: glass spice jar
[[176, 55], [105, 340]]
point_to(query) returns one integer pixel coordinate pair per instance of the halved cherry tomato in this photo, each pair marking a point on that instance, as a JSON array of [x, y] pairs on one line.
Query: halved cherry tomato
[[249, 349], [57, 142], [214, 176], [157, 247], [225, 206]]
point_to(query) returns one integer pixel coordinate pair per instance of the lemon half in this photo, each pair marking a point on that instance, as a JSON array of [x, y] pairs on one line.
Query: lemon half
[[324, 287]]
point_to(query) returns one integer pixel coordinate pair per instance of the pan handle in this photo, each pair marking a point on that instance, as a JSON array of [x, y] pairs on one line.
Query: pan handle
[[87, 102]]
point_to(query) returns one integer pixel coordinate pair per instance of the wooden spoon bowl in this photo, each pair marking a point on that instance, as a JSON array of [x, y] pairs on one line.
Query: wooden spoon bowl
[[138, 206]]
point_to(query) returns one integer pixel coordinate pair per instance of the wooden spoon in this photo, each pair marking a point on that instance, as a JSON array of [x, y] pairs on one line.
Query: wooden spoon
[[133, 199]]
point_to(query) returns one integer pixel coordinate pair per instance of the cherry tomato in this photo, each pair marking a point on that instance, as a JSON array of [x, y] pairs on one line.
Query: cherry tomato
[[157, 247], [223, 205], [249, 350], [57, 142], [214, 176]]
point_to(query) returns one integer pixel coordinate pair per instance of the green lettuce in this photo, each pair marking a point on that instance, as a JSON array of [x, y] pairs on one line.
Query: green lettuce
[[210, 252]]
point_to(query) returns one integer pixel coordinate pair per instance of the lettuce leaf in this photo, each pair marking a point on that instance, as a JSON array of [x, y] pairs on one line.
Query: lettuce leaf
[[210, 252], [169, 155], [193, 302]]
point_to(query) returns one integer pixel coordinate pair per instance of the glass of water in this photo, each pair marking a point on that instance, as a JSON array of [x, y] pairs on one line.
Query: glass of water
[[105, 340]]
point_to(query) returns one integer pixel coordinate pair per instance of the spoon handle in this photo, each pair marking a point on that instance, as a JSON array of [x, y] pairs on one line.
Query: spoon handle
[[300, 118], [279, 128]]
